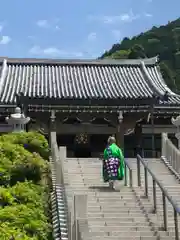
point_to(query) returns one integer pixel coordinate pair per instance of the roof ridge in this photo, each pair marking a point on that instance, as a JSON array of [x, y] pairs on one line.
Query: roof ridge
[[133, 62]]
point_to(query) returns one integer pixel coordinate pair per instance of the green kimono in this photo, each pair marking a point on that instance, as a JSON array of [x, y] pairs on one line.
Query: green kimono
[[113, 151]]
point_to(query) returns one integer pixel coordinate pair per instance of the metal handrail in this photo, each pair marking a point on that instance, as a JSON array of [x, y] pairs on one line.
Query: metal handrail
[[165, 195], [127, 166]]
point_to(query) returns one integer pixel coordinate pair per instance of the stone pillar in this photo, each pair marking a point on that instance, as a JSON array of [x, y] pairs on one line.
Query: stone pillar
[[120, 131], [178, 137], [176, 122]]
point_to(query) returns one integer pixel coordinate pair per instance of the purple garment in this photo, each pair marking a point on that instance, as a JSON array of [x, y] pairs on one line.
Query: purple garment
[[111, 166]]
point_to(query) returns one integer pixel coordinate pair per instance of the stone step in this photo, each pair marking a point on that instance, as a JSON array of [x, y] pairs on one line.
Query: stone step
[[123, 209], [115, 215], [117, 223], [110, 220], [120, 228], [122, 233], [132, 238], [126, 238]]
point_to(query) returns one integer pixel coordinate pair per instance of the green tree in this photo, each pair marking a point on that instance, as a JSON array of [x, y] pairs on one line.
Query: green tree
[[121, 54], [168, 75], [137, 51], [163, 41]]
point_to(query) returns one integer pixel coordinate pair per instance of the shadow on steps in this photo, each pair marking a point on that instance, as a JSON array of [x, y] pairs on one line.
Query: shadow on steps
[[103, 189]]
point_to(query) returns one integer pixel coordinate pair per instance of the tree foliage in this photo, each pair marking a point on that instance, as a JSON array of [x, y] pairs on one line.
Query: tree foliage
[[23, 196], [163, 41]]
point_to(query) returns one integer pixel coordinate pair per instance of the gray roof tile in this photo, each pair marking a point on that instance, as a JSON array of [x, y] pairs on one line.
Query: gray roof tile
[[104, 79]]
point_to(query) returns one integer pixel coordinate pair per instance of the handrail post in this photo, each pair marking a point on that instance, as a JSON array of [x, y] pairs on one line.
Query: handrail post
[[125, 175], [154, 196], [138, 171], [176, 225], [130, 177], [164, 211], [146, 181]]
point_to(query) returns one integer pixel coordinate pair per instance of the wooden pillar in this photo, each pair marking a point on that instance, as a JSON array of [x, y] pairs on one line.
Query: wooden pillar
[[25, 111], [53, 121], [138, 138], [120, 131], [52, 125], [18, 102], [152, 132]]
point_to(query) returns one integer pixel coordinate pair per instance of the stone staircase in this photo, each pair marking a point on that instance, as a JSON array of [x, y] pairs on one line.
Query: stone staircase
[[121, 214], [172, 186]]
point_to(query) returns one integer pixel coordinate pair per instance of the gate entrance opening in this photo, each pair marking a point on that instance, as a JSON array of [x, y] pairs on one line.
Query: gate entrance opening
[[81, 151], [93, 148]]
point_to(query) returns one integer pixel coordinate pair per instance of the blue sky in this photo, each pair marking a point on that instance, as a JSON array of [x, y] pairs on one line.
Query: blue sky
[[76, 28]]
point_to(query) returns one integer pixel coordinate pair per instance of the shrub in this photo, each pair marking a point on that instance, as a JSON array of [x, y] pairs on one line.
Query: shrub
[[23, 192], [18, 164], [9, 232], [31, 221], [32, 141]]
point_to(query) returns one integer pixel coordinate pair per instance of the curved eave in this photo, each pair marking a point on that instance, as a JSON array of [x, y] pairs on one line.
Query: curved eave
[[160, 86]]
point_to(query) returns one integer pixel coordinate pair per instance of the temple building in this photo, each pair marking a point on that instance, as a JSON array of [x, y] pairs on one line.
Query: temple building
[[90, 100]]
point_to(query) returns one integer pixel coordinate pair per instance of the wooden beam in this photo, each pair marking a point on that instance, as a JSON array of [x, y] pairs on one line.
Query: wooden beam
[[80, 128], [158, 129], [87, 128]]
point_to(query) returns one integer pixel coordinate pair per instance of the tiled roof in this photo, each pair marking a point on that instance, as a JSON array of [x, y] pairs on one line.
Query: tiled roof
[[77, 79]]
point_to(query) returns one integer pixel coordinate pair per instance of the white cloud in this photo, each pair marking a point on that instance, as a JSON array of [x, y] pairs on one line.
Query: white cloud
[[57, 27], [50, 51], [5, 40], [43, 23], [113, 19], [148, 15], [53, 52], [31, 37], [1, 28], [35, 50], [92, 36], [116, 34]]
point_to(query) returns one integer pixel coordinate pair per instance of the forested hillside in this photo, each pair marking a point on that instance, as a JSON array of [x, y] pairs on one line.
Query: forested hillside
[[163, 41]]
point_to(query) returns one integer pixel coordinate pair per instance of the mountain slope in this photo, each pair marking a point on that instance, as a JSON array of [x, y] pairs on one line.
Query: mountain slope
[[163, 41]]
